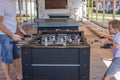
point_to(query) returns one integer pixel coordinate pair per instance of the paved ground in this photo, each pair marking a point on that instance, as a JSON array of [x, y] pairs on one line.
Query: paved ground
[[98, 55]]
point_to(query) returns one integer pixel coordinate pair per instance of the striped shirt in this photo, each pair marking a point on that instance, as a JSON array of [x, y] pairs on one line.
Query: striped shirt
[[8, 11]]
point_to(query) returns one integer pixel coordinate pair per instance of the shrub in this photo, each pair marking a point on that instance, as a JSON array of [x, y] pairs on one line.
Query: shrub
[[111, 11], [94, 11], [118, 12]]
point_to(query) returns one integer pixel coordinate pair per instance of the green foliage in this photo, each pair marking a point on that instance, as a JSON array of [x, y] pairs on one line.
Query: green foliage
[[118, 12], [94, 11], [111, 11], [100, 11]]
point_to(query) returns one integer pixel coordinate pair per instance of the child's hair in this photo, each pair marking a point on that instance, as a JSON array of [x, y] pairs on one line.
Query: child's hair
[[115, 24]]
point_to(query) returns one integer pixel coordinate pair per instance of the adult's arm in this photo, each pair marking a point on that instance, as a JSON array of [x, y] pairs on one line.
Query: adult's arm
[[20, 28]]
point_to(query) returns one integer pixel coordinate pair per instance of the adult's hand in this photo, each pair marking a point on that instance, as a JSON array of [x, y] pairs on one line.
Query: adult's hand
[[17, 37], [23, 32]]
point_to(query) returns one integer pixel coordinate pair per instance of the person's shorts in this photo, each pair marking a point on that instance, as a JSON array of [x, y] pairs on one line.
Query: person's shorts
[[8, 51], [114, 67]]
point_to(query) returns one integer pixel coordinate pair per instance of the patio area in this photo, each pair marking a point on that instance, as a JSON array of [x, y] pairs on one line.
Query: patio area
[[100, 58]]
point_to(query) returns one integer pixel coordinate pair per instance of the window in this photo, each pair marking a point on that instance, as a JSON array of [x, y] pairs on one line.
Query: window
[[55, 4]]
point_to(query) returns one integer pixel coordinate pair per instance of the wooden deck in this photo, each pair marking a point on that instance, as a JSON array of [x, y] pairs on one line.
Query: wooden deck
[[99, 57]]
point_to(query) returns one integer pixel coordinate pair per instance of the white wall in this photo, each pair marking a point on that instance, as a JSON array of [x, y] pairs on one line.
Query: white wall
[[74, 9]]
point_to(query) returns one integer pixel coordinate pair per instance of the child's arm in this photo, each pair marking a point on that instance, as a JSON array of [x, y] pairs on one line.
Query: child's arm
[[106, 40]]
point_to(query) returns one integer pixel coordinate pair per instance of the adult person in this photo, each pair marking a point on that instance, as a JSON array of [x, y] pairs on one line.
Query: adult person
[[8, 27]]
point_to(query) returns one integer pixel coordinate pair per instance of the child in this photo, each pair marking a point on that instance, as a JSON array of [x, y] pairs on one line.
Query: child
[[114, 29]]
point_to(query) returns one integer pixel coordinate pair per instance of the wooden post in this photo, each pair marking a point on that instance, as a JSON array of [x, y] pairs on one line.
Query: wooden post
[[82, 10], [114, 8], [26, 6], [96, 10], [92, 10], [37, 8], [34, 8], [104, 8], [31, 8], [88, 15], [19, 4]]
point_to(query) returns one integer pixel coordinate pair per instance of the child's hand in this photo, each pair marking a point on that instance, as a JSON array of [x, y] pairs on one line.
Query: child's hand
[[103, 41]]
